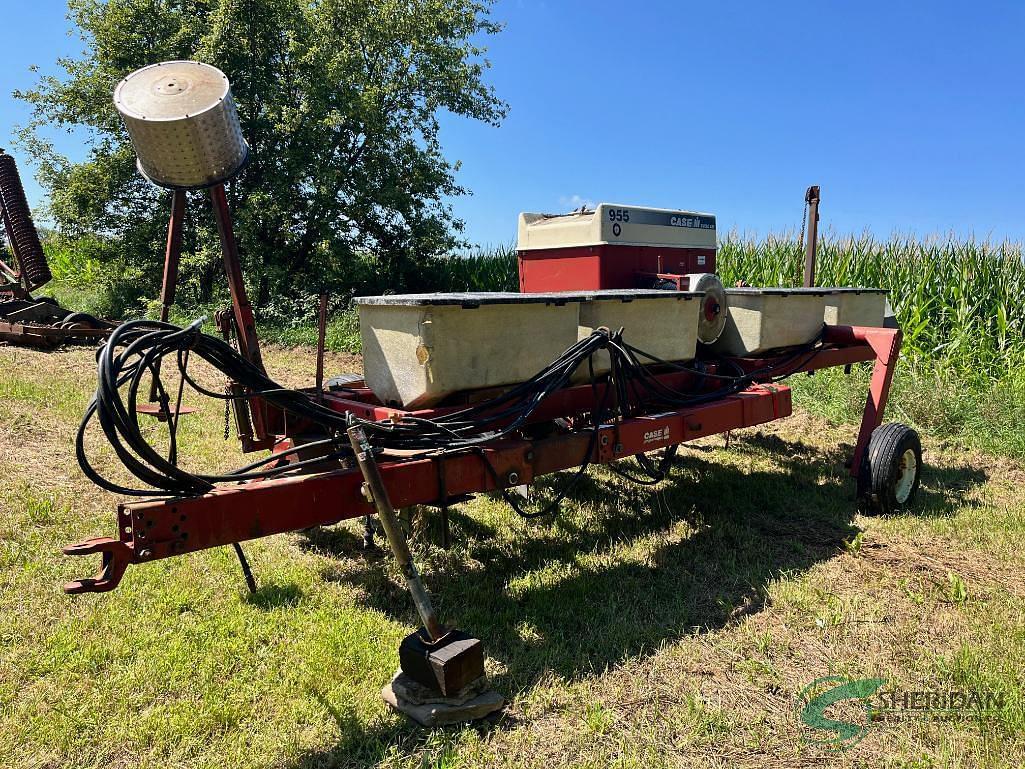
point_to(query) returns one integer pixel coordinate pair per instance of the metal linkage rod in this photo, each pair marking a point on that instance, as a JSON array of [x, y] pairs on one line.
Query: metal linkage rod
[[378, 494]]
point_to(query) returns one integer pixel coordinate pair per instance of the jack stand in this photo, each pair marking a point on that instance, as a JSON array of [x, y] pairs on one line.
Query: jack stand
[[441, 677], [368, 533], [446, 534]]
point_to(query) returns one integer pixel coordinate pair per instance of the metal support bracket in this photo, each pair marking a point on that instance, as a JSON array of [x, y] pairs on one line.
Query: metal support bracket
[[811, 199], [885, 343]]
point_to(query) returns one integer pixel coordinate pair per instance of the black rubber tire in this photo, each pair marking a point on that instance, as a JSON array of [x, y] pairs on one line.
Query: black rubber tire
[[886, 449], [84, 319]]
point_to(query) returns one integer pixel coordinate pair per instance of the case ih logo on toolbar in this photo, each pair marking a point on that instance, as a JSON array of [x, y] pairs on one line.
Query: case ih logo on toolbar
[[654, 436]]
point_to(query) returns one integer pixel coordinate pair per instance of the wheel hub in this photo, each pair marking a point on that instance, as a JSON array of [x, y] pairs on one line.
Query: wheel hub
[[907, 471]]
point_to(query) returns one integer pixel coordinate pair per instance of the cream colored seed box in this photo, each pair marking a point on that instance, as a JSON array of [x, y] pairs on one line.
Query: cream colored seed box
[[856, 307], [420, 348], [661, 323], [762, 319]]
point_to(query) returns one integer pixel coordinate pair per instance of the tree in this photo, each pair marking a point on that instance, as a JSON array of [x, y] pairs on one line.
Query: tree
[[339, 100]]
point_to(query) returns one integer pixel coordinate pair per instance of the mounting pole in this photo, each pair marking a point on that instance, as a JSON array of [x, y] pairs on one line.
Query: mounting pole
[[245, 321], [376, 492], [811, 198], [321, 343], [172, 258], [172, 254]]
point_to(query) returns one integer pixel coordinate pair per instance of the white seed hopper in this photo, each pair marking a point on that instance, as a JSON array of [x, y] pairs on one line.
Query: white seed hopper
[[856, 307], [420, 348]]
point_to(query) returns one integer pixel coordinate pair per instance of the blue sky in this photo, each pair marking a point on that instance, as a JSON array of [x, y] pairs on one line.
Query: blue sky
[[911, 116]]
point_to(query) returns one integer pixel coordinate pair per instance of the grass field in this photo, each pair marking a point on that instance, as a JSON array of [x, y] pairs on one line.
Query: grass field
[[640, 627]]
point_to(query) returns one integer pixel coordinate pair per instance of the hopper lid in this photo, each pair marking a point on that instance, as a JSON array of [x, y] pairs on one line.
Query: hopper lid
[[171, 90], [465, 299]]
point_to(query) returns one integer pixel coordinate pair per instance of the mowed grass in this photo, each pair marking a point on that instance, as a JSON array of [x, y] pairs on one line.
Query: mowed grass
[[640, 627]]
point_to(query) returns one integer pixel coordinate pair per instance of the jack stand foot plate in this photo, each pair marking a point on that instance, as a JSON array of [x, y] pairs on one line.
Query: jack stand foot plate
[[429, 708], [447, 665]]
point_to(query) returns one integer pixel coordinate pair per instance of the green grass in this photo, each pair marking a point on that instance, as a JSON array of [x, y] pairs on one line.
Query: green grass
[[639, 627], [950, 406]]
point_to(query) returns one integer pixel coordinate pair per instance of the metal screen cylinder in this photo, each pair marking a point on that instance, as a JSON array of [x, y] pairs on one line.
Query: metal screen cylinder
[[183, 123]]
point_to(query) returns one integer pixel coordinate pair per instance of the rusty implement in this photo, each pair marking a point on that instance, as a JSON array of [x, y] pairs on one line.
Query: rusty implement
[[24, 320], [162, 528], [157, 528], [346, 451], [45, 324]]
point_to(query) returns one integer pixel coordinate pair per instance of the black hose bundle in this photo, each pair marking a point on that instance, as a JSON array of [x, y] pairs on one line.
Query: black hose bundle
[[140, 347], [23, 235]]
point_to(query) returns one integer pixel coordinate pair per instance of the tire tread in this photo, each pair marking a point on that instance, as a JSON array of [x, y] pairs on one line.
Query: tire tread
[[883, 446]]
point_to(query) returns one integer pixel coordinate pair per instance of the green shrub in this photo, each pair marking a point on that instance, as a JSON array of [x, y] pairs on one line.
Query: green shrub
[[89, 277]]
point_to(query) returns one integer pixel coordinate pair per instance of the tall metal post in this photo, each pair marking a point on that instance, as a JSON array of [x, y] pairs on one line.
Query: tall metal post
[[172, 254], [811, 197], [248, 344], [172, 258], [321, 343], [245, 321]]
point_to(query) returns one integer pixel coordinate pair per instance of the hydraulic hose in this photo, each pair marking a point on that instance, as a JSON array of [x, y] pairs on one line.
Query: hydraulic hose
[[140, 347]]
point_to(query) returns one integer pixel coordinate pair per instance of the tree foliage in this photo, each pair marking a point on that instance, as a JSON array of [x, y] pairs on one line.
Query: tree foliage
[[339, 100]]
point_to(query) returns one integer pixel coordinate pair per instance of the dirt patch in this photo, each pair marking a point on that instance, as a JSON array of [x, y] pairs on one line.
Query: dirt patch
[[932, 561], [297, 366]]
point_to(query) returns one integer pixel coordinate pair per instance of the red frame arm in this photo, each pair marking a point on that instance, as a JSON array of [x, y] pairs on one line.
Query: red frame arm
[[161, 528]]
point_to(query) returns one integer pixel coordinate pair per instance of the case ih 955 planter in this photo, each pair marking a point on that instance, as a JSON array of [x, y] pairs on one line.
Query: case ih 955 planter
[[621, 344]]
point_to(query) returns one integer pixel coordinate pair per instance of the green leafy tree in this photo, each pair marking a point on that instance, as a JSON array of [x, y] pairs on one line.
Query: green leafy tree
[[339, 100]]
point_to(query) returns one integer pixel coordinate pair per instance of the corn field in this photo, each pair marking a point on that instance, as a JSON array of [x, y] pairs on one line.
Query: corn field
[[960, 303], [486, 269]]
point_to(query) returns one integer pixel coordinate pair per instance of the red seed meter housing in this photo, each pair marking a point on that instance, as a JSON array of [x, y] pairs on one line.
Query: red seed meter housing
[[614, 246]]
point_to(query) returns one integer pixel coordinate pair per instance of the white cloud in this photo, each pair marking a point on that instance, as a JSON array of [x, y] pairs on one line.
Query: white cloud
[[573, 202]]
